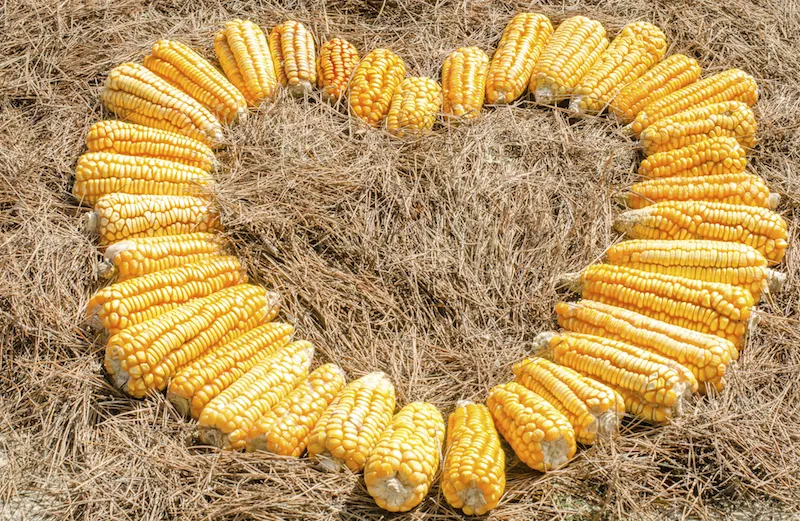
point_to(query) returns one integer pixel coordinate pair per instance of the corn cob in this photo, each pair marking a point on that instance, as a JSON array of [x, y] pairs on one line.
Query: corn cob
[[336, 63], [102, 173], [414, 106], [760, 228], [134, 93], [123, 216], [285, 428], [243, 52], [400, 470], [713, 156], [294, 55], [347, 432], [183, 68], [141, 359], [541, 437], [638, 47], [730, 85], [473, 472], [464, 82], [593, 409], [205, 378], [731, 118], [121, 137], [512, 64], [227, 419], [373, 84], [571, 52], [674, 73], [744, 189]]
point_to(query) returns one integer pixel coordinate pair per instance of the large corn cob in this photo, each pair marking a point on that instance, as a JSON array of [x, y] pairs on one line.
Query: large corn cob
[[400, 470], [102, 173], [730, 85], [414, 106], [135, 93], [731, 118], [760, 228], [674, 73], [121, 137], [541, 437], [373, 83], [141, 359], [205, 378], [638, 47], [593, 409], [713, 156], [227, 419], [183, 68], [512, 63], [347, 432], [572, 50], [243, 52], [285, 428], [743, 188], [294, 55], [123, 216], [464, 82], [336, 63], [473, 472]]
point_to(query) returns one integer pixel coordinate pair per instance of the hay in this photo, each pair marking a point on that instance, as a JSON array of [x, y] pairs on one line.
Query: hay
[[434, 261]]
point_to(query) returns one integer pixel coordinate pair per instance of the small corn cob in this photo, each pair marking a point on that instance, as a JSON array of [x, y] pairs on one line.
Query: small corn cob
[[373, 84], [285, 428], [102, 173], [745, 189], [638, 47], [336, 63], [707, 356], [183, 68], [414, 106], [760, 228], [127, 303], [473, 472], [121, 137], [400, 470], [674, 73], [142, 359], [123, 216], [227, 419], [713, 156], [205, 378], [243, 52], [541, 437], [512, 63], [571, 52], [730, 85], [464, 82], [294, 56], [731, 118], [347, 432], [593, 409], [135, 93]]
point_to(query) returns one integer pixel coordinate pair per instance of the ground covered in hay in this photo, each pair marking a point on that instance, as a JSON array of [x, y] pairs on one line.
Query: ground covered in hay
[[434, 261]]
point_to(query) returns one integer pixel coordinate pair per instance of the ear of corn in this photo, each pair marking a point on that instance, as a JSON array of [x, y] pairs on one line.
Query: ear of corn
[[512, 63], [135, 93], [760, 228], [541, 436], [473, 472], [336, 63], [120, 137], [745, 189], [294, 56], [414, 106], [464, 82], [347, 432], [285, 428], [400, 470], [183, 68], [373, 84], [593, 409], [713, 156], [571, 52], [243, 52]]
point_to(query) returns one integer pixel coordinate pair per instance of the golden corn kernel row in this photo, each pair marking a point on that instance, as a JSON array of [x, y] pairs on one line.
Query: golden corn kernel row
[[712, 156], [464, 82], [373, 84], [294, 56], [414, 106], [742, 188], [243, 52], [336, 64]]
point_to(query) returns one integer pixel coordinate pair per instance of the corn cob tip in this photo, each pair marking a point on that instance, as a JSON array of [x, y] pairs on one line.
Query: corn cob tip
[[544, 95], [542, 340], [91, 222], [213, 437], [625, 222], [463, 403], [570, 281], [775, 281], [774, 200], [181, 404], [576, 106]]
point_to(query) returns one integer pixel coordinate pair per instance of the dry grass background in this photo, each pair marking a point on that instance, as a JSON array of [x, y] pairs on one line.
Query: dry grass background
[[433, 261]]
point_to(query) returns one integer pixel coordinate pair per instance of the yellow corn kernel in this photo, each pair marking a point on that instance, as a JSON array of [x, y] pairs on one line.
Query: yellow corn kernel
[[373, 84], [713, 156], [336, 64], [243, 52], [745, 189], [464, 82], [294, 55], [414, 107]]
